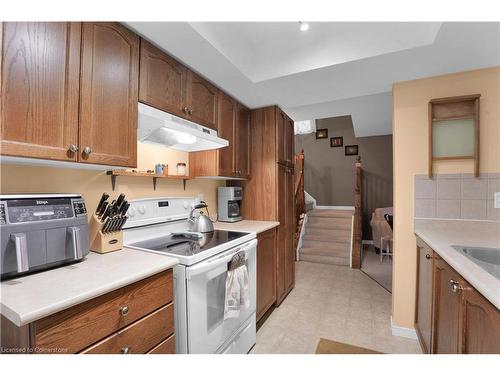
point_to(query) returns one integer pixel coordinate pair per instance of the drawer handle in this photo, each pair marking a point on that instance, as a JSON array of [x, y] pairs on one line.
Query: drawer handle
[[125, 350], [427, 256], [455, 286], [123, 310]]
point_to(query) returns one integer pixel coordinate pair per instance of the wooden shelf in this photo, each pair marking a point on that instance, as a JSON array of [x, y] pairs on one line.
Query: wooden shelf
[[124, 173]]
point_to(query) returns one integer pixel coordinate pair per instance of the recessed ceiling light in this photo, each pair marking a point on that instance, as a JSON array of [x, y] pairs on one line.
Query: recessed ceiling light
[[304, 26]]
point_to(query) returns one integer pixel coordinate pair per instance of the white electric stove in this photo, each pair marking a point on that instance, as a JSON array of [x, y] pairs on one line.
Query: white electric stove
[[160, 225]]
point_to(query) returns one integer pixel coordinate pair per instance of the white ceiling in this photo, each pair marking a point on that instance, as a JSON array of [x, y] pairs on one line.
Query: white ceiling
[[267, 50], [333, 68]]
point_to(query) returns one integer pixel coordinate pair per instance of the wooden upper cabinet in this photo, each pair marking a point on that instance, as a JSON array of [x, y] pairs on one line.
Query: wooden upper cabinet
[[290, 140], [40, 76], [242, 142], [446, 306], [201, 101], [109, 94], [281, 136], [162, 80], [423, 306], [480, 324], [227, 121]]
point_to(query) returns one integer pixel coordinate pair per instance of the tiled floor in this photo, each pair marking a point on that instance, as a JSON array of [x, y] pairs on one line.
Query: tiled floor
[[335, 303]]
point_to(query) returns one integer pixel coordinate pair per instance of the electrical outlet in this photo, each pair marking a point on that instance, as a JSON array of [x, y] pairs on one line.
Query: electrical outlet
[[496, 199]]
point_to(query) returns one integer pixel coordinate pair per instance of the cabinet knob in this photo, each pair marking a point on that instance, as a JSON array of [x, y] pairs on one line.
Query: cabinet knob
[[73, 148], [125, 350], [428, 256], [455, 286], [190, 111], [87, 150], [123, 310]]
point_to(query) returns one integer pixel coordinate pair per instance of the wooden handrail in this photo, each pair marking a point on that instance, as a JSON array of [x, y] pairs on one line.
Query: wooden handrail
[[357, 232], [300, 203]]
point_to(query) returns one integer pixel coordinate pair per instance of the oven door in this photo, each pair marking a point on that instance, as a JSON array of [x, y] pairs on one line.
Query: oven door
[[206, 291]]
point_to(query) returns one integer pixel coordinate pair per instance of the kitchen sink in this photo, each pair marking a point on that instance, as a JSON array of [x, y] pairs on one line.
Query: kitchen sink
[[488, 258]]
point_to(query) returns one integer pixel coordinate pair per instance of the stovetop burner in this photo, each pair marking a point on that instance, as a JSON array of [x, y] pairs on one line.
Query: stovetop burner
[[176, 244]]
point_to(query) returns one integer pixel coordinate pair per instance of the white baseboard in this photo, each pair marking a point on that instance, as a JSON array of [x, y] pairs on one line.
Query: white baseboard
[[408, 333], [346, 208], [301, 237]]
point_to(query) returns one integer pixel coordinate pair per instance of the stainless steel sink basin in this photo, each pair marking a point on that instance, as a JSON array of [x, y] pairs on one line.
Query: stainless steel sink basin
[[487, 258]]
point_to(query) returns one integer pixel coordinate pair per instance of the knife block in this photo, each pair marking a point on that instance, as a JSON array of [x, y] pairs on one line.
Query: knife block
[[103, 242]]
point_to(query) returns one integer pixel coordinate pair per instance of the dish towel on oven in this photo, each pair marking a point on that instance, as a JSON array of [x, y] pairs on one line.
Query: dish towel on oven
[[237, 288]]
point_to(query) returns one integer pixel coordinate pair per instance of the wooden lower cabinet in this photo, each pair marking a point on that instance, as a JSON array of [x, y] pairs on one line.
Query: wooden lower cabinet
[[446, 309], [136, 318], [459, 319], [266, 271], [423, 307]]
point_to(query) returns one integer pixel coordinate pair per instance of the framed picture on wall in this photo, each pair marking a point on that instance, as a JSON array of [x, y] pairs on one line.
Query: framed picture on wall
[[336, 141], [321, 133], [351, 150]]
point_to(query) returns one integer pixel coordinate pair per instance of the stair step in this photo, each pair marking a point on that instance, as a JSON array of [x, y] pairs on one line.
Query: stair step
[[308, 242], [330, 222], [338, 261], [333, 234], [330, 213], [331, 251]]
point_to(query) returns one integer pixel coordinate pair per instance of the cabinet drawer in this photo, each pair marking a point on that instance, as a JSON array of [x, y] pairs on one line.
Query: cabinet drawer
[[140, 336], [78, 327], [165, 347]]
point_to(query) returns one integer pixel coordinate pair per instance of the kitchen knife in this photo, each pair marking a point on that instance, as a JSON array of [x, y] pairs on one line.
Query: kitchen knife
[[124, 208], [106, 226], [114, 224], [106, 213], [104, 197], [103, 208], [122, 223], [120, 200]]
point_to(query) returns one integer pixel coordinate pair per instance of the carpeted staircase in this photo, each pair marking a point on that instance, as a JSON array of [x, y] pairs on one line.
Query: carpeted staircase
[[328, 237]]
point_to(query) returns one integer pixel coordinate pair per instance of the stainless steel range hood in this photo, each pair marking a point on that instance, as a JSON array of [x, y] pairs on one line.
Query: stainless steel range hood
[[163, 128]]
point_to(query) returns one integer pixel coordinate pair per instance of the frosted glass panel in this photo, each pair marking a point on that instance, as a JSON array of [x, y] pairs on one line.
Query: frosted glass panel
[[453, 138]]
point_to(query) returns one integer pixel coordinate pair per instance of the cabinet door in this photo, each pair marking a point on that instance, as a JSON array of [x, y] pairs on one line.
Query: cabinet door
[[266, 271], [109, 94], [480, 324], [40, 77], [446, 307], [202, 101], [282, 233], [227, 120], [162, 80], [281, 136], [243, 146], [423, 307], [290, 140], [290, 224]]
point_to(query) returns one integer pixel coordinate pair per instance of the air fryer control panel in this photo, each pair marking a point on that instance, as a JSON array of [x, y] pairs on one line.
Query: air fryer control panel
[[36, 210]]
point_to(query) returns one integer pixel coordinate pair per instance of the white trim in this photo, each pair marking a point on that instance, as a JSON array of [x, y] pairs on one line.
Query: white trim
[[350, 249], [301, 237], [340, 208], [408, 333], [309, 198]]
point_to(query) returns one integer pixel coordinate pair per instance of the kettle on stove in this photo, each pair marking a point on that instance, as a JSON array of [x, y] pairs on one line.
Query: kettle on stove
[[202, 222]]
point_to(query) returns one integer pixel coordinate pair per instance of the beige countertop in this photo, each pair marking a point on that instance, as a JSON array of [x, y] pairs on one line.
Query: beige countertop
[[247, 226], [26, 299], [440, 235]]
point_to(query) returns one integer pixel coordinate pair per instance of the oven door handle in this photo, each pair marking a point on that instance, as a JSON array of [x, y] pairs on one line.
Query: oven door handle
[[214, 263]]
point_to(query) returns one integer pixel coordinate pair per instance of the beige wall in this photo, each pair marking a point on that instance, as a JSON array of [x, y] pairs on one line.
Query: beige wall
[[410, 143], [27, 179]]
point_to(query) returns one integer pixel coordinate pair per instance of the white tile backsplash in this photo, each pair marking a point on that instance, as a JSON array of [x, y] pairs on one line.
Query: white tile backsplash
[[456, 196]]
